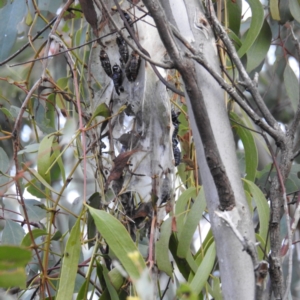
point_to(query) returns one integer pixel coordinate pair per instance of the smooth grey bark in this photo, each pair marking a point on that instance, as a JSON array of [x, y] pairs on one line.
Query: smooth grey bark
[[235, 265]]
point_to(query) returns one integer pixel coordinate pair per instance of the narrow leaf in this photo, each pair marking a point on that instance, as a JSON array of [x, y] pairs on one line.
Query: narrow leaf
[[258, 51], [251, 156], [292, 86], [40, 179], [192, 221], [70, 264], [121, 243], [255, 26], [181, 207], [234, 11], [162, 248], [44, 155], [112, 292], [262, 207], [274, 9], [204, 270]]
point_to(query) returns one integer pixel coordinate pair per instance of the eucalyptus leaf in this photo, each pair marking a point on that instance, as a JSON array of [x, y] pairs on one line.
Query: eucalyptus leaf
[[70, 264], [255, 26], [204, 270], [292, 86], [162, 248], [120, 244]]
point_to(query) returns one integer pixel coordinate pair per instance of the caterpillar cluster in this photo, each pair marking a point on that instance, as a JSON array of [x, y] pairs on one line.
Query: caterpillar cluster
[[131, 64], [176, 151]]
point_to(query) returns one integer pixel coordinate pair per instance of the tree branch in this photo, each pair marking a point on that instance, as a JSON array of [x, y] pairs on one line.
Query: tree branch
[[186, 69]]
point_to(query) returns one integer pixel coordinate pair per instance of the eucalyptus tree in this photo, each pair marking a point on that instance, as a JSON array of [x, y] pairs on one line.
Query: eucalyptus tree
[[131, 180]]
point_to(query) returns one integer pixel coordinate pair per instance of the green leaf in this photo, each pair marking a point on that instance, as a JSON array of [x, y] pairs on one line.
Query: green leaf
[[37, 176], [70, 264], [121, 244], [259, 49], [116, 278], [294, 6], [12, 233], [102, 110], [111, 289], [63, 83], [185, 292], [12, 266], [181, 263], [7, 113], [82, 292], [181, 207], [251, 156], [262, 207], [13, 257], [44, 155], [292, 86], [274, 10], [234, 11], [193, 218], [162, 248], [255, 26], [204, 270], [26, 242]]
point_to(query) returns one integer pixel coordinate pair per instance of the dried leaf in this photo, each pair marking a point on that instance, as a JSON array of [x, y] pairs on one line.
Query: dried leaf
[[120, 163]]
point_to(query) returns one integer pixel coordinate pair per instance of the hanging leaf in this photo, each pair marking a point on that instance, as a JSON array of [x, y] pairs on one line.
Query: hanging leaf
[[162, 248], [262, 207], [292, 86], [251, 156], [259, 49], [255, 26], [121, 244], [70, 264], [204, 270], [234, 11], [181, 207], [193, 218], [44, 155], [274, 10]]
